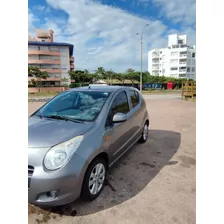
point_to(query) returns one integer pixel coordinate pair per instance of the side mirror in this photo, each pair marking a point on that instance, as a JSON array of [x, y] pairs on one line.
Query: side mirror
[[119, 117]]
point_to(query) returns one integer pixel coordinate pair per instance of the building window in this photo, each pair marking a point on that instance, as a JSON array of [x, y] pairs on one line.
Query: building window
[[33, 57], [63, 49], [174, 69], [193, 55], [44, 48], [180, 41], [55, 58], [54, 49], [33, 47], [193, 69], [189, 61], [182, 75], [188, 69], [161, 52]]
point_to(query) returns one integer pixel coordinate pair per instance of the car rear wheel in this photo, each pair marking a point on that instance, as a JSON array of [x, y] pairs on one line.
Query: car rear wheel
[[94, 179], [145, 131]]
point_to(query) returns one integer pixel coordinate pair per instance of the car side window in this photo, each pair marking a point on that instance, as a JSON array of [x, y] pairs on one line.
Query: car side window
[[134, 98], [120, 104]]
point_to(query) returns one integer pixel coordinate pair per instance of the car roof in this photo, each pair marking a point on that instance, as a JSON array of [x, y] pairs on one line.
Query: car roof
[[100, 88]]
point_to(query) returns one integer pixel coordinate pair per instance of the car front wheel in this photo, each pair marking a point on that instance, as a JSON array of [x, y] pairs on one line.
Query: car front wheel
[[94, 179]]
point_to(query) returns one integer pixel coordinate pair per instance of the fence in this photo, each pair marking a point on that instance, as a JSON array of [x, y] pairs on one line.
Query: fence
[[188, 89]]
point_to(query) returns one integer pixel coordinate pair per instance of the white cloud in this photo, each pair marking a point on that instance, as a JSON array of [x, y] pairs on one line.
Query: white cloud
[[119, 47], [178, 10], [31, 19], [39, 7]]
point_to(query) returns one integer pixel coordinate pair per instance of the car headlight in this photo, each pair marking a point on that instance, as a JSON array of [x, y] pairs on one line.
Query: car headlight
[[58, 155]]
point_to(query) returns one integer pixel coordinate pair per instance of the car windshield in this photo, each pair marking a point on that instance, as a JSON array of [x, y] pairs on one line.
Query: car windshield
[[75, 105]]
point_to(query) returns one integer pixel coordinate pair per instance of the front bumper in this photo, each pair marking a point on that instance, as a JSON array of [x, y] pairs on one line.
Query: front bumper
[[65, 183]]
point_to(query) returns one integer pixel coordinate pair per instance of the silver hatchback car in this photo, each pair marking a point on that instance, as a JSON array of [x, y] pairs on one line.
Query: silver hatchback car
[[75, 137]]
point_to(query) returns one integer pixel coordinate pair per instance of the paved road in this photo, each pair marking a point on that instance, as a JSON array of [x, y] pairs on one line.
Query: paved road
[[161, 96]]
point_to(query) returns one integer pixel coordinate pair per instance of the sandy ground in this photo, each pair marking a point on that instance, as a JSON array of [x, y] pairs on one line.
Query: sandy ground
[[153, 183]]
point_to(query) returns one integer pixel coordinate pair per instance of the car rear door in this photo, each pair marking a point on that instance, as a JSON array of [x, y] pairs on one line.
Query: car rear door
[[136, 113]]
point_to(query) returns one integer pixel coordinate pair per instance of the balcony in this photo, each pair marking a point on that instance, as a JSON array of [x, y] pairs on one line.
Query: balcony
[[35, 52], [72, 66], [182, 63], [155, 68], [183, 55], [155, 62], [52, 62], [182, 70], [71, 59], [47, 79], [155, 55], [51, 70]]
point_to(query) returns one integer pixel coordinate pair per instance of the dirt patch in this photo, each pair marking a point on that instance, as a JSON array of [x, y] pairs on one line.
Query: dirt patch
[[187, 161]]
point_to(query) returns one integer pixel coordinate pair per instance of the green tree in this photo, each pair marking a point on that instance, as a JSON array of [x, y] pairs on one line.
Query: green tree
[[132, 75], [38, 76], [130, 70], [79, 76], [101, 73], [120, 77], [64, 81], [145, 77]]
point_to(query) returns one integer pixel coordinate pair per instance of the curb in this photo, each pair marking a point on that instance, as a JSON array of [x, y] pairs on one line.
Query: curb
[[37, 100]]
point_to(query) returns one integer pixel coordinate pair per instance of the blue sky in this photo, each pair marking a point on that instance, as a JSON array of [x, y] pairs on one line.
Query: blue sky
[[103, 32]]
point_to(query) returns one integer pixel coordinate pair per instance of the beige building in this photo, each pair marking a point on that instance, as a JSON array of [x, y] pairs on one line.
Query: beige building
[[55, 58]]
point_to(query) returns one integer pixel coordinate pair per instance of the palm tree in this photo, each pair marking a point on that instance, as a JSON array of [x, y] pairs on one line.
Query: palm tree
[[101, 72], [110, 75]]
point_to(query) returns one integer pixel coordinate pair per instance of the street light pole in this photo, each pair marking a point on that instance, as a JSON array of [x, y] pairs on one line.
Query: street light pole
[[141, 68], [141, 56]]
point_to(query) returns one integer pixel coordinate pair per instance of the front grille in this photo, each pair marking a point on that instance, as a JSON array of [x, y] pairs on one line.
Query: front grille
[[30, 173]]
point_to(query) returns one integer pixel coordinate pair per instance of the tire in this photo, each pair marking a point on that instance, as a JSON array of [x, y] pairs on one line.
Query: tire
[[145, 134], [91, 192]]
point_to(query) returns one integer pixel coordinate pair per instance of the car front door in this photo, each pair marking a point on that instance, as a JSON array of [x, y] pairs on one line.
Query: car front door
[[117, 135]]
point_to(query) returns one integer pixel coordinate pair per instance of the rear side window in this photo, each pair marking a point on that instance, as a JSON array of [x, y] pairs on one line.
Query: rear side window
[[134, 98]]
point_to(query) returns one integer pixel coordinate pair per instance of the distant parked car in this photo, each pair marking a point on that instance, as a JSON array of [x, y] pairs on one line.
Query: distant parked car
[[75, 137]]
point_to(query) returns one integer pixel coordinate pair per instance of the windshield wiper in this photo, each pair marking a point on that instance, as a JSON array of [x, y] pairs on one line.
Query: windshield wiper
[[61, 117]]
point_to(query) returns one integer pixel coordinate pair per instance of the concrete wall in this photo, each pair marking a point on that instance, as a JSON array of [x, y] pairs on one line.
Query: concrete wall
[[46, 89]]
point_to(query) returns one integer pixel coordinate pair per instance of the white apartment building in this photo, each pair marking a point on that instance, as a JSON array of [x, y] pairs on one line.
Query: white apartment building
[[178, 60]]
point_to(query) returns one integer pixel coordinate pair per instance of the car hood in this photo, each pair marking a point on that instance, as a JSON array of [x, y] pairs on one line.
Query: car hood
[[49, 132]]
